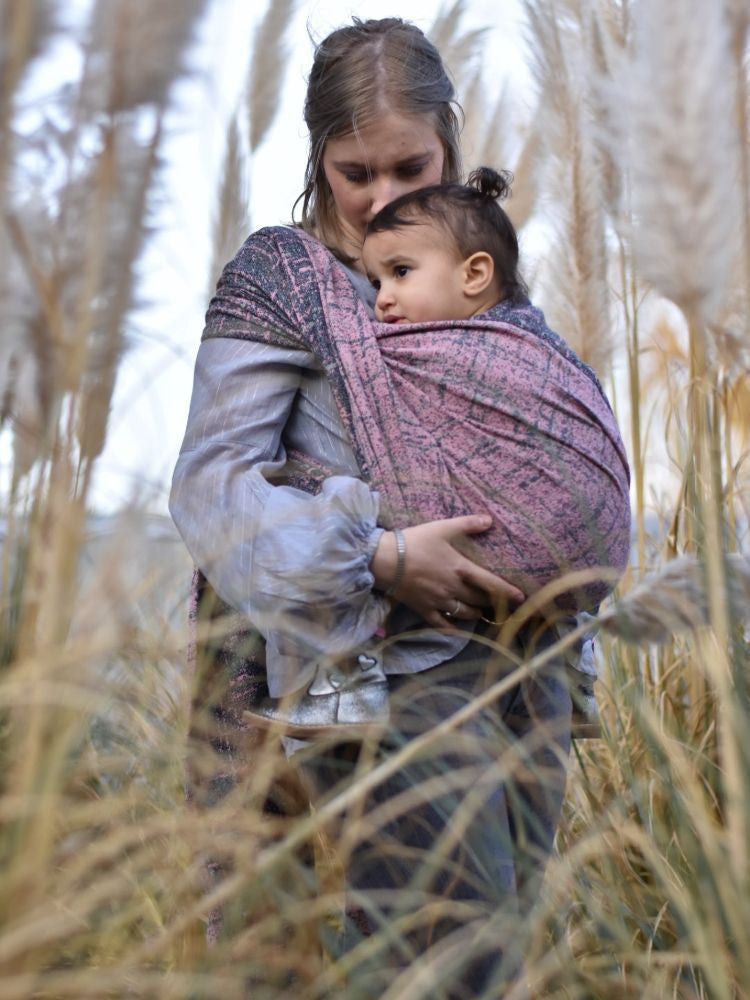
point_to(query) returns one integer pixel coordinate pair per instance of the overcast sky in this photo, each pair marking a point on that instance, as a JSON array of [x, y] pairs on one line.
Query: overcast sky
[[153, 388]]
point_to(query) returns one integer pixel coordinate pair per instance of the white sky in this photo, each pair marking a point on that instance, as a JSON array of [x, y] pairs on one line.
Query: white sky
[[153, 388]]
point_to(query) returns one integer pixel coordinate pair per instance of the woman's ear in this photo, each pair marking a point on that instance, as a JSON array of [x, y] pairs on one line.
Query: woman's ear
[[479, 273]]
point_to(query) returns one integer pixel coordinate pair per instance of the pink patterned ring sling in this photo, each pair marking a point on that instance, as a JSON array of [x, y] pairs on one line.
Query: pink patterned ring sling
[[494, 414]]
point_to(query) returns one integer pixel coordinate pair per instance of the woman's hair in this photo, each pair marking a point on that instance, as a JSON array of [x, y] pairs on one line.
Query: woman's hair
[[470, 216], [359, 72]]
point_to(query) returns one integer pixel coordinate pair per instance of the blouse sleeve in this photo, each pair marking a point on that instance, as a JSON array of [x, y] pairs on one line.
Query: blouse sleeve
[[294, 564]]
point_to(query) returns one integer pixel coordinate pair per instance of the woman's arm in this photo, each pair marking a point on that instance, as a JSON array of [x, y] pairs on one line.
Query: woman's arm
[[290, 561]]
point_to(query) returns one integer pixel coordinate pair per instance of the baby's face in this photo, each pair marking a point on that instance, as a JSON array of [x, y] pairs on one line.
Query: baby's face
[[418, 275]]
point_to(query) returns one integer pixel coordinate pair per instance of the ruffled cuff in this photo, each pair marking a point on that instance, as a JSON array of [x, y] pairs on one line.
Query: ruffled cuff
[[311, 579], [372, 544]]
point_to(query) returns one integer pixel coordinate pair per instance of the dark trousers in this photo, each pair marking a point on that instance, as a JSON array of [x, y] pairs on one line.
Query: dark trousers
[[445, 857]]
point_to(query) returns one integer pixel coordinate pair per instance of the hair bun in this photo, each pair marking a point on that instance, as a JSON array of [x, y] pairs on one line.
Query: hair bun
[[491, 184]]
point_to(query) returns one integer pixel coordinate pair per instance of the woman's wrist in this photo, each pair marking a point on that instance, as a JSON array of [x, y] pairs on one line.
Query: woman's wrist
[[384, 564], [398, 575]]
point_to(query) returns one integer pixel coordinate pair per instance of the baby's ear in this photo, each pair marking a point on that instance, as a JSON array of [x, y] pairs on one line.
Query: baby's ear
[[479, 272]]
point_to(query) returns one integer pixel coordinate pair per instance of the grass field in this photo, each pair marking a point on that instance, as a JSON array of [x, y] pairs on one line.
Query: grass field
[[635, 162]]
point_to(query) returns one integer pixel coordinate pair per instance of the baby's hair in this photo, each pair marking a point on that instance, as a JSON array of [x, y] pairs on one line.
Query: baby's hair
[[471, 216]]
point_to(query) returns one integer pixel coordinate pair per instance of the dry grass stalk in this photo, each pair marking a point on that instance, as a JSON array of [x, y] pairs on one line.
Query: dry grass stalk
[[134, 167], [631, 323], [74, 250], [740, 26], [459, 49], [267, 68], [487, 140], [487, 135], [659, 771], [232, 222], [606, 44], [135, 51], [524, 199], [481, 145], [25, 30], [577, 292]]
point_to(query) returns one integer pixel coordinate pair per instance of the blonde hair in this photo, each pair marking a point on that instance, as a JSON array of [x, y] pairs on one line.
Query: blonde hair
[[359, 71]]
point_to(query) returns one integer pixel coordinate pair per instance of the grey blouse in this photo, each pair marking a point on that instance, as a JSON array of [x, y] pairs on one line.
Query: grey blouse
[[296, 565]]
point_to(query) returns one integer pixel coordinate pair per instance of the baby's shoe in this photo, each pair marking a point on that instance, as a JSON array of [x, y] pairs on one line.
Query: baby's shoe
[[347, 700], [581, 671]]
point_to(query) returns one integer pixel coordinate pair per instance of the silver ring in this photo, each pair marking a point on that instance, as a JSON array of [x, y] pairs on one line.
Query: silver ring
[[454, 612]]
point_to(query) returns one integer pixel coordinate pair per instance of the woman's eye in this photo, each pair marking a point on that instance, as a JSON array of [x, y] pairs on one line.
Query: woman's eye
[[412, 171], [356, 178]]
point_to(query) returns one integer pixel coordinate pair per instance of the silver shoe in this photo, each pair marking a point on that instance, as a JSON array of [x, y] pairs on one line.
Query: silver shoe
[[585, 723], [349, 705]]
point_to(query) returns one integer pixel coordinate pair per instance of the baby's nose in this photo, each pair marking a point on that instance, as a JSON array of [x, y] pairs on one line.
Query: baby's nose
[[384, 298], [385, 292]]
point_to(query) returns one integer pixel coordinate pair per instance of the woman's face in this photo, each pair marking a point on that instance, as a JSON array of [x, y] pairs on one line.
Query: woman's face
[[394, 154]]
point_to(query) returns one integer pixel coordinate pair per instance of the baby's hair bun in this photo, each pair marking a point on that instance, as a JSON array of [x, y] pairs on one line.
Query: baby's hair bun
[[491, 184]]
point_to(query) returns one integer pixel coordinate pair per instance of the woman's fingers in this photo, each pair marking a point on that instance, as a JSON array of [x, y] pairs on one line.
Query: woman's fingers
[[438, 580], [467, 524], [468, 594], [460, 610], [479, 582], [494, 586], [438, 620]]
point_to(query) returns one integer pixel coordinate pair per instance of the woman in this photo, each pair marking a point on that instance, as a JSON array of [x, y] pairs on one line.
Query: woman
[[301, 551]]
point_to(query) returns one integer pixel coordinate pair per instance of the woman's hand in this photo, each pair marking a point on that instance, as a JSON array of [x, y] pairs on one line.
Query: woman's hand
[[438, 579]]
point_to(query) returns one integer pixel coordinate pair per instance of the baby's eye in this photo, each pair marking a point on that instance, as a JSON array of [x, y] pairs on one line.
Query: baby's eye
[[401, 270], [375, 284]]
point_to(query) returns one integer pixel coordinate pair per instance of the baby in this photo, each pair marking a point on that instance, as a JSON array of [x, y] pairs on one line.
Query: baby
[[450, 253], [444, 252]]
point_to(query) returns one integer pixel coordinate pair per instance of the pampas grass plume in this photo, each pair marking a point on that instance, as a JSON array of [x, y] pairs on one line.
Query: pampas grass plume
[[25, 30], [267, 66], [670, 119], [459, 49], [524, 197], [232, 222], [673, 599], [136, 49], [25, 412], [577, 300]]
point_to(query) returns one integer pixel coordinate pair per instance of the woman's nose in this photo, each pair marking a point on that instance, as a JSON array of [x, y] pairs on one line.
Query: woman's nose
[[384, 192]]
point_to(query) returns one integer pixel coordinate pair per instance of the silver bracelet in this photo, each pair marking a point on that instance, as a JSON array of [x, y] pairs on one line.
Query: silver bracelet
[[398, 576]]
